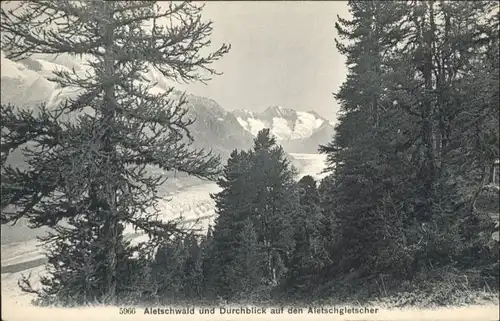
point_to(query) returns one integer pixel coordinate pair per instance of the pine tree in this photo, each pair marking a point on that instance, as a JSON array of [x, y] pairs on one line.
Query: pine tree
[[177, 270], [209, 269], [233, 207], [274, 201], [89, 167], [169, 271], [406, 149], [452, 141], [358, 154], [248, 265], [258, 188], [193, 270], [329, 230], [309, 256]]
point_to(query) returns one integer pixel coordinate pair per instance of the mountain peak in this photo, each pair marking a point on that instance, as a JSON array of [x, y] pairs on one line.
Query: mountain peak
[[285, 123], [275, 108], [25, 84], [278, 111]]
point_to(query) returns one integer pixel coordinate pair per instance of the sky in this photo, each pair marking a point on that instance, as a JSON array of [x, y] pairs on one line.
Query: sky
[[282, 53]]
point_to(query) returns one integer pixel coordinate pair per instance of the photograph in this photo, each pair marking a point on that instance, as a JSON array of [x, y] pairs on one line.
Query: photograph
[[250, 160]]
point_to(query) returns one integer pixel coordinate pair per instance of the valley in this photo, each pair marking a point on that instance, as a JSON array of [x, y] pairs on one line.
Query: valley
[[190, 203]]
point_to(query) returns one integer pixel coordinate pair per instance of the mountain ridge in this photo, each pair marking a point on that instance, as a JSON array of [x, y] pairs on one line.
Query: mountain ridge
[[290, 126], [27, 83]]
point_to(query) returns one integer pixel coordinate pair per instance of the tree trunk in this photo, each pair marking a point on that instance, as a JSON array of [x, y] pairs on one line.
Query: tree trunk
[[482, 183], [111, 219], [428, 113]]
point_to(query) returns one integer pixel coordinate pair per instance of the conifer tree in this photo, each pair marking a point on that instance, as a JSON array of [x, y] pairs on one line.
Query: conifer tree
[[169, 270], [309, 255], [357, 154], [451, 141], [329, 230], [259, 197], [249, 264], [209, 269], [193, 270], [402, 155], [275, 199], [93, 150], [233, 207]]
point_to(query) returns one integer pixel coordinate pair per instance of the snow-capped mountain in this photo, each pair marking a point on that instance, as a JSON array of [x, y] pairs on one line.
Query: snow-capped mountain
[[26, 84], [297, 131], [22, 84], [310, 145], [215, 127]]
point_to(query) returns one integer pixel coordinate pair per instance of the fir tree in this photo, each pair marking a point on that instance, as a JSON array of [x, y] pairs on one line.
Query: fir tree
[[258, 188], [357, 155], [233, 207], [209, 269], [89, 166], [403, 160], [169, 271], [329, 231], [249, 263], [193, 270], [309, 256], [451, 139], [274, 202]]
